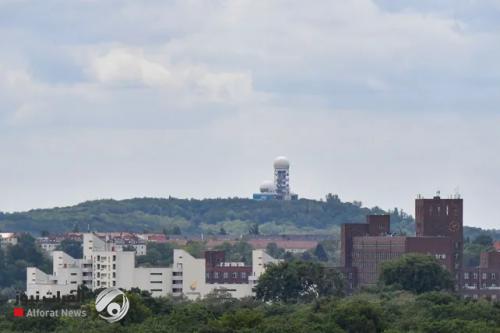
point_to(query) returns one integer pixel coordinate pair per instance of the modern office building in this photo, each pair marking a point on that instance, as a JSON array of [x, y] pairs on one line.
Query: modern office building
[[104, 264], [279, 189]]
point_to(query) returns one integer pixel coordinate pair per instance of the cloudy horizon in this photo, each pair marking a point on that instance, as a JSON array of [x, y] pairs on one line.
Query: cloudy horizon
[[373, 100]]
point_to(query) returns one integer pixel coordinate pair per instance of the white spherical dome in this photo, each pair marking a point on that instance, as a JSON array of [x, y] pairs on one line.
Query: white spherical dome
[[281, 162], [267, 187]]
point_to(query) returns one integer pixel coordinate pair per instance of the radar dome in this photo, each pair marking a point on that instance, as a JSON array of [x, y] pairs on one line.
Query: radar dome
[[281, 162], [267, 187]]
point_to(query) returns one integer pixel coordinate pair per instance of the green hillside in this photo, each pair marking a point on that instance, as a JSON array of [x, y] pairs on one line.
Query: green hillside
[[233, 215]]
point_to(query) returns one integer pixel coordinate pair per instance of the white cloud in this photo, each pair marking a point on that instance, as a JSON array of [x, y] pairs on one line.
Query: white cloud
[[368, 99], [123, 66]]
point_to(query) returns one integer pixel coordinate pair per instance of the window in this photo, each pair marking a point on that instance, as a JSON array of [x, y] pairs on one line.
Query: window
[[484, 276], [235, 275], [466, 275], [207, 275], [493, 276], [177, 282], [156, 282], [114, 258], [226, 275], [216, 275], [114, 266], [156, 273], [157, 290], [243, 275], [177, 290], [475, 275], [73, 274], [177, 274]]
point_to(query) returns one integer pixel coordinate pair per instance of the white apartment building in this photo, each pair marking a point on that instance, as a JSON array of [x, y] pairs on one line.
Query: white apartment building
[[189, 276], [105, 265]]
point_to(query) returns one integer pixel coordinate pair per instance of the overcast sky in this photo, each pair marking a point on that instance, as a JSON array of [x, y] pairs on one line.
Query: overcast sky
[[373, 101]]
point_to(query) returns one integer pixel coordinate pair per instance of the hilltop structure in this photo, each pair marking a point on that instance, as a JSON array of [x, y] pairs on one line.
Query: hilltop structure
[[279, 189]]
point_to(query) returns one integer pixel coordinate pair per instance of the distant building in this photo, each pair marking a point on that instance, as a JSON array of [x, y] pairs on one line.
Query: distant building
[[442, 218], [280, 188], [120, 240], [483, 281], [365, 246], [439, 233], [106, 264], [8, 238]]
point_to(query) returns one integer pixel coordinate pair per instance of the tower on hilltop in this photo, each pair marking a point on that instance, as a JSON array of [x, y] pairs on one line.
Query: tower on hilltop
[[279, 189]]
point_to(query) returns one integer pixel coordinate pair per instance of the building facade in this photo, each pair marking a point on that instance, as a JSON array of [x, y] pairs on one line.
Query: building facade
[[443, 218], [439, 233], [106, 265], [8, 238]]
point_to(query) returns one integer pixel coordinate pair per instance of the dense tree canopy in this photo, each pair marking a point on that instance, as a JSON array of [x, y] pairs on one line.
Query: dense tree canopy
[[15, 258], [298, 281], [416, 273], [376, 311], [72, 247], [233, 216], [474, 248]]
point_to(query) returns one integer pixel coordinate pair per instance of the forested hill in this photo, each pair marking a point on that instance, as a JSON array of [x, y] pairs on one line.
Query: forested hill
[[191, 216]]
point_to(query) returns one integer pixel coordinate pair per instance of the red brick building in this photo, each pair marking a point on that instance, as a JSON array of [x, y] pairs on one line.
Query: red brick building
[[217, 270], [365, 246]]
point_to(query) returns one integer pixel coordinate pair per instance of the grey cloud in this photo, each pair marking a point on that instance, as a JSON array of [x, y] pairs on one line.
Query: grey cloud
[[373, 101]]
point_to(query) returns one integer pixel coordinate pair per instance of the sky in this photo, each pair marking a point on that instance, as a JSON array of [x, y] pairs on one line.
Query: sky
[[376, 101]]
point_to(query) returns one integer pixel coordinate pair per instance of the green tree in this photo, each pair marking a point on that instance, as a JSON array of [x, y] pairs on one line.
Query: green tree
[[176, 230], [417, 273], [484, 240], [274, 251], [298, 281], [359, 316], [320, 253], [157, 254], [222, 231], [254, 229], [72, 247]]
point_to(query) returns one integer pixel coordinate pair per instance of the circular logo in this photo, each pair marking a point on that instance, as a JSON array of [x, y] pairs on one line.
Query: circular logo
[[113, 303]]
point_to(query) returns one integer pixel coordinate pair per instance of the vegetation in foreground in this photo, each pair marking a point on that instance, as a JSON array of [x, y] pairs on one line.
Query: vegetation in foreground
[[307, 306]]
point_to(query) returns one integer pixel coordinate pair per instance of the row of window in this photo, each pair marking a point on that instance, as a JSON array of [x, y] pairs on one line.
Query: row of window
[[104, 258], [104, 266], [484, 285], [225, 275], [484, 276]]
